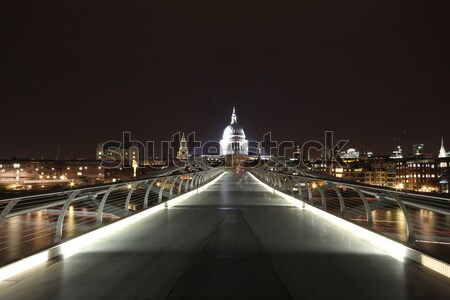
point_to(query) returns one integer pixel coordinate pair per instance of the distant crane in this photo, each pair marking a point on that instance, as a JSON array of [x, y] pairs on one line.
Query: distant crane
[[57, 153], [72, 152]]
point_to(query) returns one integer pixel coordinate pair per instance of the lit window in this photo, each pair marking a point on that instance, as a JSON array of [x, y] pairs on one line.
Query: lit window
[[79, 173]]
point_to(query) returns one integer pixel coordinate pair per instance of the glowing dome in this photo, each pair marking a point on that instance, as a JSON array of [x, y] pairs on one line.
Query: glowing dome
[[233, 139]]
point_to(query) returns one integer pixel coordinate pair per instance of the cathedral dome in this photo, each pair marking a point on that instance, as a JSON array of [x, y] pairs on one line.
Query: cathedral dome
[[233, 139], [233, 132]]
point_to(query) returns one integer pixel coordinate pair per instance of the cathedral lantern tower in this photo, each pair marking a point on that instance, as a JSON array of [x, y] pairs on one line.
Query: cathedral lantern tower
[[183, 150], [233, 139]]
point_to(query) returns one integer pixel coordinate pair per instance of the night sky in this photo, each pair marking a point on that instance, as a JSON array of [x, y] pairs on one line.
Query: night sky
[[75, 73]]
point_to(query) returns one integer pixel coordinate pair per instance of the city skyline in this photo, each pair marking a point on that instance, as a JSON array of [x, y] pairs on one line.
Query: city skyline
[[73, 77], [60, 153]]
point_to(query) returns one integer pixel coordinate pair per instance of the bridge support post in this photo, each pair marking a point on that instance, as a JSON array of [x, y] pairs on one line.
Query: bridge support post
[[181, 185], [341, 199], [200, 180], [62, 214], [194, 180], [161, 189], [127, 201], [101, 207], [410, 235], [322, 196], [366, 205], [188, 180], [147, 193], [172, 186], [310, 195], [8, 208]]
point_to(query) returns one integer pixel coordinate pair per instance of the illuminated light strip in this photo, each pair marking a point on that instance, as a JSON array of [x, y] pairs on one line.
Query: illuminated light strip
[[76, 245], [23, 265], [433, 242], [403, 222], [390, 247], [433, 231], [415, 230], [382, 221]]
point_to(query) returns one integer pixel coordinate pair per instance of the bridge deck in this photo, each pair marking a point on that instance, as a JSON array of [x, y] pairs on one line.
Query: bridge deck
[[234, 240]]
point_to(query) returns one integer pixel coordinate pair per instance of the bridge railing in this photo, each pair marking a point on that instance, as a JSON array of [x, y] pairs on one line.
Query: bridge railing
[[32, 223], [419, 221]]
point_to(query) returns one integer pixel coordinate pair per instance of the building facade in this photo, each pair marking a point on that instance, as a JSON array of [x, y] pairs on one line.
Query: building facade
[[47, 174], [183, 151], [417, 175]]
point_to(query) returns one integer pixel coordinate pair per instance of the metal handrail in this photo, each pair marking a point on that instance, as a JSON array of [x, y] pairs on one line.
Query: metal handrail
[[100, 201], [287, 183], [373, 191], [100, 189]]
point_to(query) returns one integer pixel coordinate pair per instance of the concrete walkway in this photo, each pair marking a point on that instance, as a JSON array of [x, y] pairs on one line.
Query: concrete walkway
[[234, 240]]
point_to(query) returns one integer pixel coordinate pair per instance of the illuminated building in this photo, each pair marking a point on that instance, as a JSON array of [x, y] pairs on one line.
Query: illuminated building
[[397, 153], [46, 174], [366, 175], [443, 169], [418, 149], [349, 155], [233, 139], [417, 175], [442, 152], [183, 150]]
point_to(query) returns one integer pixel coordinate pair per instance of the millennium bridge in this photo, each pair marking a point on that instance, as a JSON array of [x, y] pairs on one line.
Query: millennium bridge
[[265, 232]]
